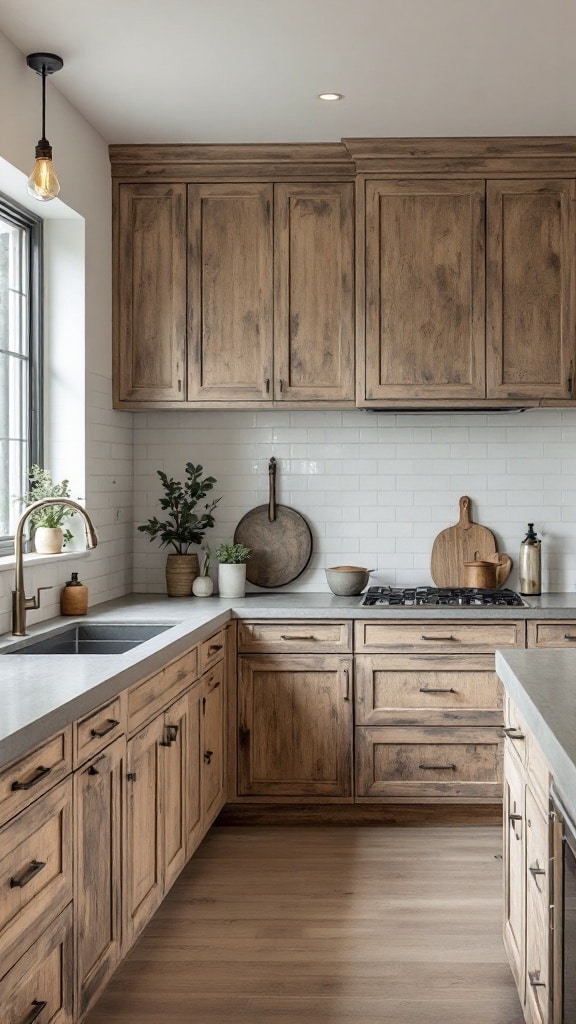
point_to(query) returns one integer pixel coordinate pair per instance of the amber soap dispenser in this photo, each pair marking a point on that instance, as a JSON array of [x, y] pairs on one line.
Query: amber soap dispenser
[[74, 597]]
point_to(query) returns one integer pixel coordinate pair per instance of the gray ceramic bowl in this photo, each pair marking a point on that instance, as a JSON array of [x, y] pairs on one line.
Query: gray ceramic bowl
[[347, 580]]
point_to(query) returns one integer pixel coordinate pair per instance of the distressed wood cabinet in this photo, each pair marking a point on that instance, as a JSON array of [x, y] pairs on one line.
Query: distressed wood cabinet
[[234, 292], [295, 726], [429, 709], [527, 867]]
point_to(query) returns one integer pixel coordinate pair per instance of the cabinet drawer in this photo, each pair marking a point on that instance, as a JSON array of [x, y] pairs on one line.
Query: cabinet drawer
[[34, 774], [429, 763], [297, 637], [552, 634], [35, 869], [448, 636], [42, 976], [98, 729], [149, 698], [403, 689], [210, 651]]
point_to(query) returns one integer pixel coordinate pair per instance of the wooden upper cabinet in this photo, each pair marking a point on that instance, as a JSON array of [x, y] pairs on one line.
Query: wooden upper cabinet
[[314, 292], [424, 283], [230, 292], [530, 293], [150, 293], [424, 291]]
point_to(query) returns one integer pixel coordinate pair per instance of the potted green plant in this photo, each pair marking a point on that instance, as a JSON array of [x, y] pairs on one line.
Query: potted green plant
[[203, 585], [185, 525], [232, 560], [49, 534]]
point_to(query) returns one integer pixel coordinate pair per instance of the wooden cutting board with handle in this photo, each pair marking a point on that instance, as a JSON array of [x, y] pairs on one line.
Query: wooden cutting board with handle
[[461, 543]]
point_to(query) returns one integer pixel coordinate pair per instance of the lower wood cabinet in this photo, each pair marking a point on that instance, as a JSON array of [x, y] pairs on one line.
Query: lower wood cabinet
[[213, 745], [98, 800], [40, 985], [295, 726], [527, 868]]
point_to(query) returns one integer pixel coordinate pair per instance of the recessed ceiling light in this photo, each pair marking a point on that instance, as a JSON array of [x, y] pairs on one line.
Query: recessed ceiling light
[[330, 97]]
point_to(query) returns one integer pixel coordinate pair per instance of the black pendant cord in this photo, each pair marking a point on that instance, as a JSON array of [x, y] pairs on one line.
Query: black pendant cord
[[43, 138]]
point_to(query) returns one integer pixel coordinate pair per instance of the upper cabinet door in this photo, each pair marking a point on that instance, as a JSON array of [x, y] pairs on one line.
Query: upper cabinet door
[[230, 292], [425, 294], [314, 292], [530, 296], [150, 293]]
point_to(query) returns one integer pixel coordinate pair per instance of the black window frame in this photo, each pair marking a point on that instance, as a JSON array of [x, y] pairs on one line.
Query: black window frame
[[23, 218]]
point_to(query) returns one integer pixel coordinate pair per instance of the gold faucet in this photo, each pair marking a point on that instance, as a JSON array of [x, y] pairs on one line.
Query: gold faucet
[[21, 603]]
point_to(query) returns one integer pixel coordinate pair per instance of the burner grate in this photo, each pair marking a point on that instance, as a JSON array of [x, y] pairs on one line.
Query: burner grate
[[429, 597]]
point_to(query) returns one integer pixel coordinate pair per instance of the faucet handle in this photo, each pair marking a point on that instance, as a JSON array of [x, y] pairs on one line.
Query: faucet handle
[[34, 602]]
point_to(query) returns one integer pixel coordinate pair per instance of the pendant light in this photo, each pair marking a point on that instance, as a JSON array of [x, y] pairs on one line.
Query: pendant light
[[43, 183]]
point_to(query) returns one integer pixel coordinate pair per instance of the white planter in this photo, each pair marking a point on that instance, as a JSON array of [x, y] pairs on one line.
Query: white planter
[[203, 586], [48, 540], [232, 579]]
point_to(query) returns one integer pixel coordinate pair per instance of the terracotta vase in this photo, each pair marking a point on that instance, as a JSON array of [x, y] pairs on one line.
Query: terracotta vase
[[181, 571], [48, 540]]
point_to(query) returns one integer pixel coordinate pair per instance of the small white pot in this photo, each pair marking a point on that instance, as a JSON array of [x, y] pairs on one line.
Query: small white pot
[[48, 540], [203, 586], [232, 579]]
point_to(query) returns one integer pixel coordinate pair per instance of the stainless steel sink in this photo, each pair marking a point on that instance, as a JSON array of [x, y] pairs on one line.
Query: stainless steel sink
[[91, 638]]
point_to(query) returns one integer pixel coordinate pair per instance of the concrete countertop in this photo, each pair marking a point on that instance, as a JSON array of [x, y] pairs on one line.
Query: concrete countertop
[[42, 693], [542, 684]]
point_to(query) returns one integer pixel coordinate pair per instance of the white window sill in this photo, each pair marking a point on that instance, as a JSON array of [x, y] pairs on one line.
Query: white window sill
[[8, 562]]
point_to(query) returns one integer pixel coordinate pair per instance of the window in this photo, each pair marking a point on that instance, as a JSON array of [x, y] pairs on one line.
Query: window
[[20, 358]]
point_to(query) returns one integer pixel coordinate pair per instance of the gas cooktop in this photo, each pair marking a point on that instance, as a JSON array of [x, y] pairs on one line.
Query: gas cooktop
[[425, 597]]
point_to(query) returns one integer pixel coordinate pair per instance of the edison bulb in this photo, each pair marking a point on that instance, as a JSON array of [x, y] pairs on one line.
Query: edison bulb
[[43, 183]]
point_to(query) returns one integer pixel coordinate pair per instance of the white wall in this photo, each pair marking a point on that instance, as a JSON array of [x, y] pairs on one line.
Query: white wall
[[375, 487], [85, 433]]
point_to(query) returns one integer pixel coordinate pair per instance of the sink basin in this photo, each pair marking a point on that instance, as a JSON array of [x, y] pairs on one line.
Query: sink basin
[[91, 638]]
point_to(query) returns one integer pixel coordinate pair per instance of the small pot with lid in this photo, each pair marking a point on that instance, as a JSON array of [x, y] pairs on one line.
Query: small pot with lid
[[481, 574]]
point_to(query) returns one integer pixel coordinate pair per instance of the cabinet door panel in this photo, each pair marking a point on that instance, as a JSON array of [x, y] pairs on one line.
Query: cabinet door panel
[[230, 292], [212, 744], [514, 866], [314, 292], [142, 889], [530, 297], [150, 298], [98, 815], [174, 773], [424, 290], [194, 831], [295, 725], [43, 975]]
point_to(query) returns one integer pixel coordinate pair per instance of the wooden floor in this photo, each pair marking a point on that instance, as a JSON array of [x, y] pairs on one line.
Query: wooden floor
[[327, 924]]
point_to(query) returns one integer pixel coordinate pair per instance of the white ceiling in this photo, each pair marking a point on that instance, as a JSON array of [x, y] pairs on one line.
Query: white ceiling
[[250, 70]]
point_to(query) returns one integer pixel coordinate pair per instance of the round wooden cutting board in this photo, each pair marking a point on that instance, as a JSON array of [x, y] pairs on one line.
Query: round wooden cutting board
[[461, 543]]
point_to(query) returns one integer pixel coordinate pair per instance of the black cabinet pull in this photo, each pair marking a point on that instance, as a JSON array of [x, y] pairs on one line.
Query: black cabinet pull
[[93, 770], [437, 689], [40, 773], [171, 736], [208, 756], [513, 733], [131, 776], [347, 681], [111, 723], [27, 876], [284, 636], [437, 767], [534, 979], [37, 1006], [214, 648], [425, 636]]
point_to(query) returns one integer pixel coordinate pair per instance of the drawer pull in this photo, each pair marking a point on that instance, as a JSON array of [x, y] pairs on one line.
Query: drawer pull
[[214, 648], [437, 689], [569, 636], [534, 979], [437, 767], [208, 756], [40, 773], [347, 681], [513, 733], [442, 639], [536, 871], [27, 876], [514, 817], [37, 1006], [131, 776], [111, 723], [284, 636], [93, 770]]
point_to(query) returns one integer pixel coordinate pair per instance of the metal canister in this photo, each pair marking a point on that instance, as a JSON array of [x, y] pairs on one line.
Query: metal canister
[[530, 564]]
